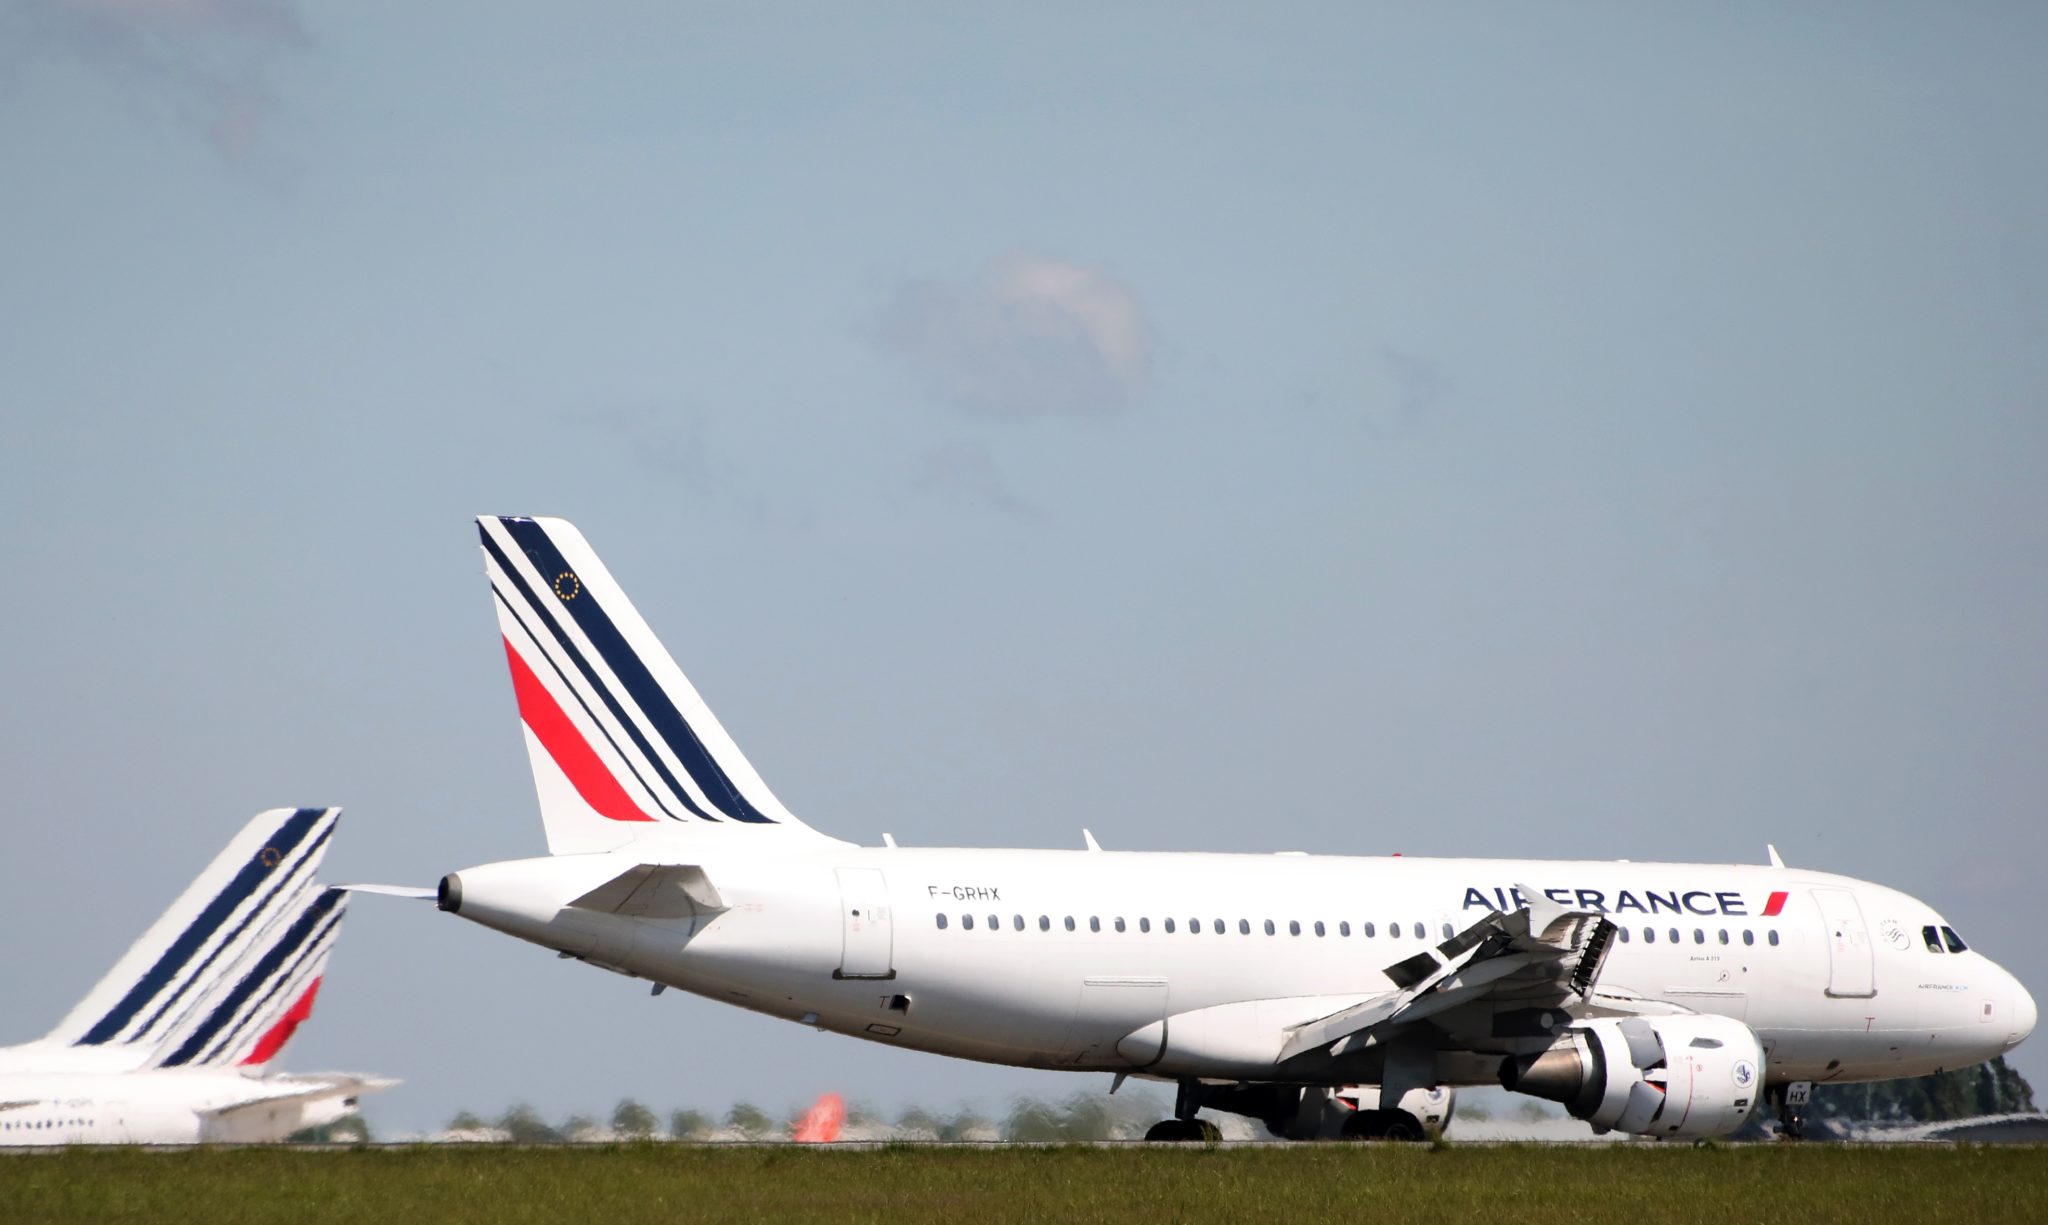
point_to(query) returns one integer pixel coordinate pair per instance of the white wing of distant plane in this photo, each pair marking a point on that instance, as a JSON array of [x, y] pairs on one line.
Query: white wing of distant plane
[[301, 1089]]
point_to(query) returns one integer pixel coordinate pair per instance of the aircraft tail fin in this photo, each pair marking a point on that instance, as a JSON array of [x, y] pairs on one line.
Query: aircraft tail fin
[[232, 966], [620, 742]]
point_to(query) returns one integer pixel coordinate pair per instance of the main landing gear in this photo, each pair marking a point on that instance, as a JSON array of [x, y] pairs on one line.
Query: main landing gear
[[1184, 1127], [1184, 1131], [1396, 1125]]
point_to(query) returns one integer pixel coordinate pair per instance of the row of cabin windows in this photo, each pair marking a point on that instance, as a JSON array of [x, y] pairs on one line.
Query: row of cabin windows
[[40, 1124], [1194, 926], [1699, 936], [1294, 928], [1935, 936]]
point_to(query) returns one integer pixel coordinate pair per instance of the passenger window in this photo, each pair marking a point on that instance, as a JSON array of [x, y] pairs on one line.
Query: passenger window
[[1955, 942], [967, 922], [1169, 927], [1119, 922], [1017, 922], [1393, 931], [1244, 927], [1698, 936], [1044, 923], [995, 923], [942, 922], [1772, 936], [1144, 925], [1674, 935], [1094, 924], [1623, 933], [1070, 922], [1344, 928], [1649, 935], [1748, 936], [1367, 929], [1294, 927], [1724, 935], [1418, 931], [1932, 935], [1194, 927], [1269, 927], [1448, 933]]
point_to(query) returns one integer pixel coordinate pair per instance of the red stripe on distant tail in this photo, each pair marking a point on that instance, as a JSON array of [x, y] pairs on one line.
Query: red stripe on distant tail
[[277, 1035], [592, 778], [1776, 904]]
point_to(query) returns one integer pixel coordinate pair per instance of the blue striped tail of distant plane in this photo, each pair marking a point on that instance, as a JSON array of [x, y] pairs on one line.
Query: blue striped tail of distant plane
[[231, 968]]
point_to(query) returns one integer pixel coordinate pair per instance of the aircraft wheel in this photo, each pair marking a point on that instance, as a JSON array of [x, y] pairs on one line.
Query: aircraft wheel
[[1403, 1127], [1182, 1131], [1365, 1125]]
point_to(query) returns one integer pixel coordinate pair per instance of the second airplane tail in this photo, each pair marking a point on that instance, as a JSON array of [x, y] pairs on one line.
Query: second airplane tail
[[620, 742], [227, 973]]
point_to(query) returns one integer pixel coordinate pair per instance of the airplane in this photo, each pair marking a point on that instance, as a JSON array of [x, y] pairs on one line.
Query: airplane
[[1326, 996], [175, 1044]]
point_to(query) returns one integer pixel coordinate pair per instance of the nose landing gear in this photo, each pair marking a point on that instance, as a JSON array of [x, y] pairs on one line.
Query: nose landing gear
[[1790, 1102]]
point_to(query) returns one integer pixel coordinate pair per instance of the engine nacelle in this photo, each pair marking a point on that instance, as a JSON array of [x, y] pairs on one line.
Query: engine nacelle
[[1677, 1077]]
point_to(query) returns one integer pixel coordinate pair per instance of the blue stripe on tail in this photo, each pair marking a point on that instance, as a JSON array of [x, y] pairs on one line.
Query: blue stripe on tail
[[539, 612], [647, 693], [202, 928], [315, 917]]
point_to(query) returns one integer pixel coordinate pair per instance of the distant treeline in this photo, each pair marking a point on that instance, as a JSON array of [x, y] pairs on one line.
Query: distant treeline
[[1988, 1088]]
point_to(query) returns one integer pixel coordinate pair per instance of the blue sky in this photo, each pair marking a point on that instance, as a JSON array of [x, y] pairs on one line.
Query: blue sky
[[1606, 430]]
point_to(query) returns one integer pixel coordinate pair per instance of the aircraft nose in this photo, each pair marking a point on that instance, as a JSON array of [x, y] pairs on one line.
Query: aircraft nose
[[2024, 1014]]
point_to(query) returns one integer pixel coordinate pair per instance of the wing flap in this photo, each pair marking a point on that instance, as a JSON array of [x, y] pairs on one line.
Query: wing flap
[[1540, 951]]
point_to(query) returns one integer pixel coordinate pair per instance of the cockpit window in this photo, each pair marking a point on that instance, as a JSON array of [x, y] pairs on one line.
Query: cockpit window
[[1955, 942], [1932, 935]]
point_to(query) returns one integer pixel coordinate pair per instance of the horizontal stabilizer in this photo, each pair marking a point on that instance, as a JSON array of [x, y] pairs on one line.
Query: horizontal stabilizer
[[655, 891]]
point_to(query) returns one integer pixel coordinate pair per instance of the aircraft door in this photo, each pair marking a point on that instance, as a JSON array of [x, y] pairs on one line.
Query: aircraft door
[[1851, 970], [868, 948]]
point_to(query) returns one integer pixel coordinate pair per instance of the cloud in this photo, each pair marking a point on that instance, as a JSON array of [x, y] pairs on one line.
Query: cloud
[[1026, 337], [208, 63], [966, 474]]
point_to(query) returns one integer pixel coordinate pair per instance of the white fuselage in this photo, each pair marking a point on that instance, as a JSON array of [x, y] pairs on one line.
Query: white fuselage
[[1073, 959], [52, 1095]]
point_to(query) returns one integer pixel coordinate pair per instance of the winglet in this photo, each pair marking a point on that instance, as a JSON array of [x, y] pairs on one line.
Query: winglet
[[1089, 838], [1775, 861], [1544, 913]]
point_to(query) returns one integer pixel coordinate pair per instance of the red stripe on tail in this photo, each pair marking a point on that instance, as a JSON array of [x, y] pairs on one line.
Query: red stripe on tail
[[276, 1036], [1776, 904], [592, 778]]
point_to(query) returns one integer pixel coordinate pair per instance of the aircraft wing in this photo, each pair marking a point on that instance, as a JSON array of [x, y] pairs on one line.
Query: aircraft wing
[[1543, 955], [318, 1087]]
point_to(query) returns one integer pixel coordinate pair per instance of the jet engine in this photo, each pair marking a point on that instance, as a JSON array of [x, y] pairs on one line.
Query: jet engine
[[1675, 1077]]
